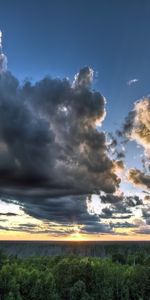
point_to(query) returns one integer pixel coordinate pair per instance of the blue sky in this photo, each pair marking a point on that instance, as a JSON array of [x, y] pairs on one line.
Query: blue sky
[[60, 37]]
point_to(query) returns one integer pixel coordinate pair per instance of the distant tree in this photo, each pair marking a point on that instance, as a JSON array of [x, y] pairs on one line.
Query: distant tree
[[3, 258], [119, 257], [78, 291]]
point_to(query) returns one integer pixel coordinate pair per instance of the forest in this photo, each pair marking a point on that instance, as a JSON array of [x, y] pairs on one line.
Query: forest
[[124, 274]]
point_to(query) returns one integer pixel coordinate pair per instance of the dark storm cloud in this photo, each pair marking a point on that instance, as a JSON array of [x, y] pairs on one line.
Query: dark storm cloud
[[96, 228], [48, 137], [51, 154], [73, 210], [66, 211]]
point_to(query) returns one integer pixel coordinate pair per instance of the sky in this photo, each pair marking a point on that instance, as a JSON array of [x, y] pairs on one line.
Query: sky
[[74, 120]]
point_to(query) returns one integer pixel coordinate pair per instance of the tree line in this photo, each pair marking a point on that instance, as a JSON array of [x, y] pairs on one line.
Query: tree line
[[117, 277]]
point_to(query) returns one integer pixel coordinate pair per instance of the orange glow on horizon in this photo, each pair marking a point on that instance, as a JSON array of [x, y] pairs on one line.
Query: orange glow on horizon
[[75, 237]]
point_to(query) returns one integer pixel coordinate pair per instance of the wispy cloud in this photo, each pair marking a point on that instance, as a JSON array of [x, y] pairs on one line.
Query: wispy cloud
[[132, 81]]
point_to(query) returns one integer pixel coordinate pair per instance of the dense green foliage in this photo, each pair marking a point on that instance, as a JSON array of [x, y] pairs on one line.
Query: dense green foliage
[[118, 277]]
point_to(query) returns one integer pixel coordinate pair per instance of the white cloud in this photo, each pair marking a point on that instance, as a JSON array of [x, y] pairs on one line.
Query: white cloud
[[132, 81]]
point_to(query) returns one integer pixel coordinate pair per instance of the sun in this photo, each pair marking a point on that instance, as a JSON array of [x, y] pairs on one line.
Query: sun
[[76, 234]]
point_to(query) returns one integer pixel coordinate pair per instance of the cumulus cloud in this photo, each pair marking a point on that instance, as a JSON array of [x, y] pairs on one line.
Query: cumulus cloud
[[137, 124], [84, 78], [53, 155], [3, 63], [3, 58], [138, 178], [48, 138], [51, 152], [137, 128]]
